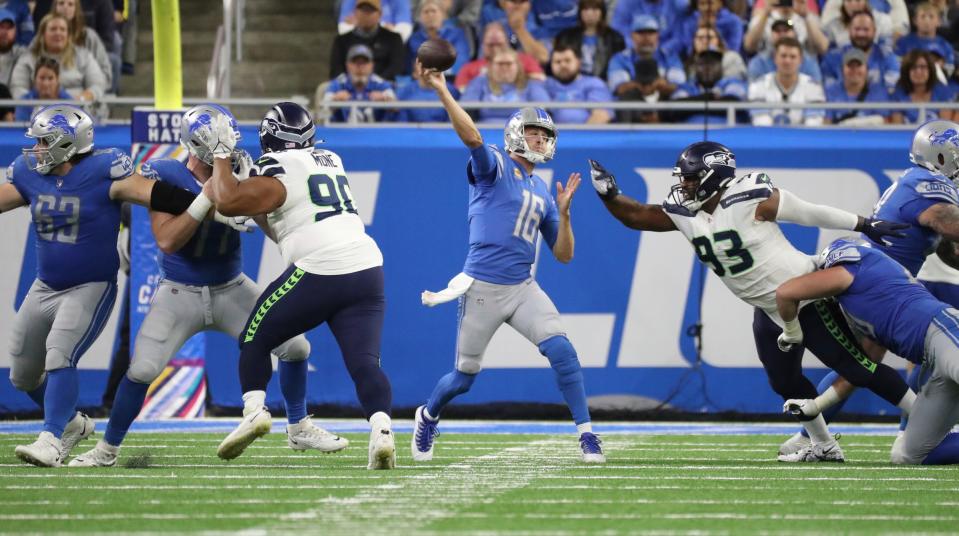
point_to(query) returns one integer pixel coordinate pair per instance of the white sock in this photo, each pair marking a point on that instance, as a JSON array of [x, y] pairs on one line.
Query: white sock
[[907, 401], [827, 399], [426, 413], [584, 428], [253, 400], [380, 421], [103, 445], [818, 432]]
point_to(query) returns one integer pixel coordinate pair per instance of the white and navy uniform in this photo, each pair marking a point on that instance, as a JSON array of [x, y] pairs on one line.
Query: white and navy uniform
[[889, 305], [76, 226], [335, 274], [753, 258], [508, 210], [202, 287]]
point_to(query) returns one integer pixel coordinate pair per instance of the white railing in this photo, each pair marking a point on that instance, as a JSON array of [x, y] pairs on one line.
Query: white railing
[[218, 81]]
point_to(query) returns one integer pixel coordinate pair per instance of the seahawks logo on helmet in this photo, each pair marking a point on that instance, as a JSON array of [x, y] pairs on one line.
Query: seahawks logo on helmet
[[719, 158]]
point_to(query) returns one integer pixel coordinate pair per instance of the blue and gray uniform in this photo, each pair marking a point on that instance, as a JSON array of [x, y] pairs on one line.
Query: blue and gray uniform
[[76, 225], [887, 303]]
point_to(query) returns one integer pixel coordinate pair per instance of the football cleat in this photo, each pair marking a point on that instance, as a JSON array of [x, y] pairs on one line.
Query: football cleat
[[98, 456], [46, 451], [255, 424], [382, 449], [592, 448], [822, 452], [794, 444], [424, 432], [305, 435], [79, 428]]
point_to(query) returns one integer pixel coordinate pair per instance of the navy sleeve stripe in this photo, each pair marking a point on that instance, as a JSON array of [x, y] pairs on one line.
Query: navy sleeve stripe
[[757, 193], [678, 209], [271, 171]]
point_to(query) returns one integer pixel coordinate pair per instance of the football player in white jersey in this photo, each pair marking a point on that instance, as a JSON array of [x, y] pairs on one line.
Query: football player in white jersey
[[335, 273], [731, 223]]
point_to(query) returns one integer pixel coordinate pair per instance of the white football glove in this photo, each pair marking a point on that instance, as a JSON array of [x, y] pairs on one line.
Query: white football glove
[[603, 181], [802, 407], [244, 224], [224, 137], [790, 337], [242, 164]]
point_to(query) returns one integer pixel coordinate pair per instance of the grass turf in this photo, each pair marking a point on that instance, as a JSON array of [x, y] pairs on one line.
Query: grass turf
[[490, 484]]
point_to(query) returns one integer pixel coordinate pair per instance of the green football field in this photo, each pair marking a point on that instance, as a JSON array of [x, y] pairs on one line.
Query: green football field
[[481, 484]]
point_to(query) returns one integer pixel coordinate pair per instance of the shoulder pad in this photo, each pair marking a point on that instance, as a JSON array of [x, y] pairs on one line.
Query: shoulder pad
[[938, 189], [121, 165], [267, 166], [748, 187]]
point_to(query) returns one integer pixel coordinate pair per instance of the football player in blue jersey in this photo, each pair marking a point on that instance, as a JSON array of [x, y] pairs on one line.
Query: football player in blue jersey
[[202, 287], [886, 303], [732, 223], [509, 207], [927, 199], [74, 194]]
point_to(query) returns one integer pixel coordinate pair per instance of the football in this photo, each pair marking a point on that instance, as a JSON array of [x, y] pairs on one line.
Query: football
[[436, 54]]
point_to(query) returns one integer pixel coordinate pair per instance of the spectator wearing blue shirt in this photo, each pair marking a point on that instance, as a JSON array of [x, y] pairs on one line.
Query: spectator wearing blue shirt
[[46, 85], [645, 36], [666, 13], [522, 29], [762, 63], [854, 87], [568, 84], [883, 64], [416, 89], [359, 83], [918, 83], [708, 84], [708, 13], [555, 16], [26, 25], [396, 16], [506, 81], [432, 24], [595, 41], [927, 21]]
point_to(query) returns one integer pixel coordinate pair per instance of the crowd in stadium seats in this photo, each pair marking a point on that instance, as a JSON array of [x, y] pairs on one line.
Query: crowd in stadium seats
[[775, 51]]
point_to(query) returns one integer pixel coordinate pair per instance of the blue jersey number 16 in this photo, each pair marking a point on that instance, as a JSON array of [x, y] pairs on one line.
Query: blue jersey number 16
[[530, 214]]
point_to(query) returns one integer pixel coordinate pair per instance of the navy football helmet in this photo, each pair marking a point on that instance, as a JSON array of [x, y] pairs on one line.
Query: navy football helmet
[[287, 126], [703, 169]]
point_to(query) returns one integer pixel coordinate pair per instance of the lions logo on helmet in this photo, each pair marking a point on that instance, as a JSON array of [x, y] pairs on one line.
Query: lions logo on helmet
[[62, 131], [935, 146]]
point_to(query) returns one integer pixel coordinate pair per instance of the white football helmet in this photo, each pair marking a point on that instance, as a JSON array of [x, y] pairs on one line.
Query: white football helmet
[[935, 146], [62, 131], [515, 134], [196, 118]]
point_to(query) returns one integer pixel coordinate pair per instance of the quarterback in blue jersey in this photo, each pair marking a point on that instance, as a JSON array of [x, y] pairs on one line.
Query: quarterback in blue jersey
[[732, 223], [74, 194], [927, 199], [509, 208], [202, 288], [886, 303]]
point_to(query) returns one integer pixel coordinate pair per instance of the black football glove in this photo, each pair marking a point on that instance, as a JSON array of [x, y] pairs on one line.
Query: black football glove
[[603, 181], [878, 230]]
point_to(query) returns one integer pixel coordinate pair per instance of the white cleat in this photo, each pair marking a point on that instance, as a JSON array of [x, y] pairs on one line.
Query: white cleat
[[794, 444], [254, 425], [46, 451], [822, 452], [424, 433], [305, 435], [382, 449], [98, 456], [79, 428]]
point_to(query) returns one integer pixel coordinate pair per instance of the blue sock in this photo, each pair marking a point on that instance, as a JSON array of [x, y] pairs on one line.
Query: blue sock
[[37, 394], [946, 452], [449, 387], [825, 383], [293, 387], [126, 406], [60, 400], [569, 375]]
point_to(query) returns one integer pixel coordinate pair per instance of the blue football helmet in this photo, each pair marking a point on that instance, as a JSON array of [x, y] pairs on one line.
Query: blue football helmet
[[64, 132], [935, 146], [703, 169], [196, 118], [515, 134], [287, 126]]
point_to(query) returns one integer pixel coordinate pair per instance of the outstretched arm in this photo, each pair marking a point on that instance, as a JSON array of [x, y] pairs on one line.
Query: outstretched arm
[[462, 123], [10, 198], [627, 210], [783, 205]]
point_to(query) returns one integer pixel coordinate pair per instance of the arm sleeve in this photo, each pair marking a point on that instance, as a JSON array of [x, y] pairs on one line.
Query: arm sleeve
[[482, 168], [795, 210]]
